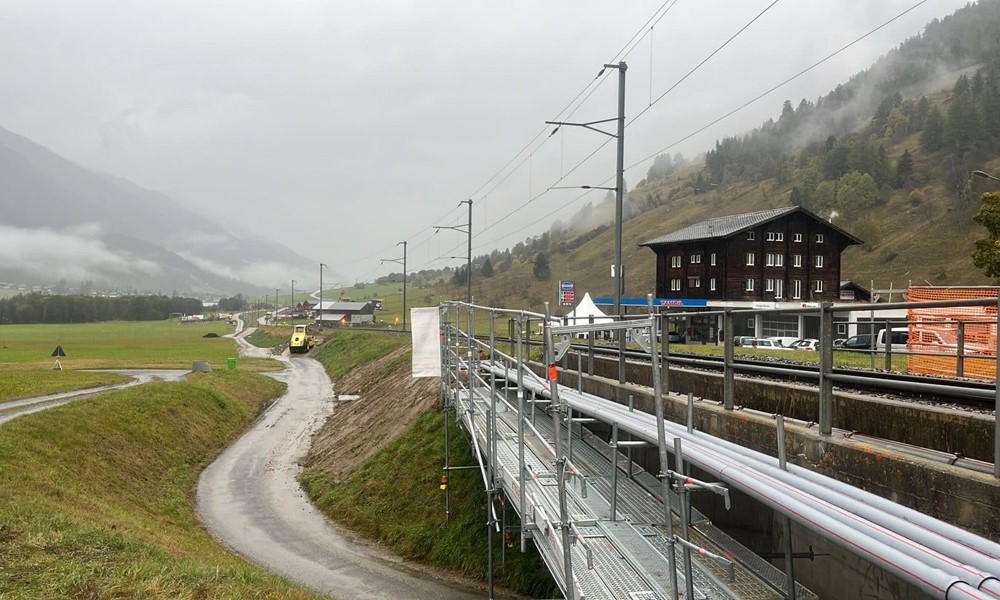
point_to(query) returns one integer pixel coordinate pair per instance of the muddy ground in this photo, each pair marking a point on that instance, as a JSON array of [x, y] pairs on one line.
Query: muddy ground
[[389, 401]]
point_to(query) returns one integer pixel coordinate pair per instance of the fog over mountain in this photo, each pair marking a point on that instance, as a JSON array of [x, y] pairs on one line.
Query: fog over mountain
[[62, 224]]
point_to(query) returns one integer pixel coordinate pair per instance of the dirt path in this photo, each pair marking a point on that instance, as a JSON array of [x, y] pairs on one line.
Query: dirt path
[[251, 500]]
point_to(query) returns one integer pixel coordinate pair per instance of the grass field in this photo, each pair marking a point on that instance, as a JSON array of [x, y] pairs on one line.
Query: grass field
[[96, 495], [117, 344], [26, 353]]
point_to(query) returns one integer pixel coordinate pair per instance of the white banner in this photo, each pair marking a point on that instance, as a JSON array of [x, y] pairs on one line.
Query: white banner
[[425, 326]]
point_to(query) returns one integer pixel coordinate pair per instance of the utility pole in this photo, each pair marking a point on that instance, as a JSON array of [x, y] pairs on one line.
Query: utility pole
[[617, 274], [319, 307], [275, 306], [404, 283], [468, 259], [293, 298], [402, 262], [619, 197]]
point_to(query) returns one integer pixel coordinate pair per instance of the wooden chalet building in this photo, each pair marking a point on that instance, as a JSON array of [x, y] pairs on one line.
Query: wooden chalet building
[[778, 255]]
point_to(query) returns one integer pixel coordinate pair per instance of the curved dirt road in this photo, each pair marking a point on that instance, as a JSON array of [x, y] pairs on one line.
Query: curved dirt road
[[250, 499]]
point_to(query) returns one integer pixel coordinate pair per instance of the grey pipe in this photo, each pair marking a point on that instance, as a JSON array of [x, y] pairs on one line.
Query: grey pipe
[[633, 423]]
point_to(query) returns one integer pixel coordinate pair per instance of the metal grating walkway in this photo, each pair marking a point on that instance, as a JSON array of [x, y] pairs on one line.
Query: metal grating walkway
[[625, 558]]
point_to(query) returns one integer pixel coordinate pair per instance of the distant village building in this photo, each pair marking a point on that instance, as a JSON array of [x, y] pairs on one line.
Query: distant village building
[[772, 258], [342, 314]]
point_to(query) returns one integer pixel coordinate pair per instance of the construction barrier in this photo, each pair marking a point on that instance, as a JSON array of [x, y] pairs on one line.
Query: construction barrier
[[937, 334]]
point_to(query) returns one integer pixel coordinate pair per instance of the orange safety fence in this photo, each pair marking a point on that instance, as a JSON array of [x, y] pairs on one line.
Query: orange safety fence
[[935, 332]]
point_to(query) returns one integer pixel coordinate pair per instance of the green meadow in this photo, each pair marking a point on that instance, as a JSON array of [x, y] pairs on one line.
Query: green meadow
[[26, 359]]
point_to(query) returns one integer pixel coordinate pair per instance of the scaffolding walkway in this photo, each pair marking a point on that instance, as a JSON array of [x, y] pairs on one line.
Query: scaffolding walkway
[[620, 556], [605, 528]]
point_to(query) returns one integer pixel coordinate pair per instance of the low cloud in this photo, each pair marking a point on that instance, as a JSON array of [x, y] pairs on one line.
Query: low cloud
[[74, 253]]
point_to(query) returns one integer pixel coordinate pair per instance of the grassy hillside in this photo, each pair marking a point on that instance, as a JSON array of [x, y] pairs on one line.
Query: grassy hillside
[[921, 232], [95, 496], [384, 484]]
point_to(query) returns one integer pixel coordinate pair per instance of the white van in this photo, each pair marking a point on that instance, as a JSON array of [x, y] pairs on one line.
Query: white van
[[897, 335]]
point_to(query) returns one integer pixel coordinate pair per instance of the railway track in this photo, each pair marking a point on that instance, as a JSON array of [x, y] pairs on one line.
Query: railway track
[[964, 393]]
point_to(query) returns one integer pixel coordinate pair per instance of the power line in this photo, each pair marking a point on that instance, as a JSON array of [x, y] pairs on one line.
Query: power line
[[776, 87]]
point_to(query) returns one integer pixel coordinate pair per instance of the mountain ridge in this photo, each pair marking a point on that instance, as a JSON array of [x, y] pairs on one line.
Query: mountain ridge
[[119, 234]]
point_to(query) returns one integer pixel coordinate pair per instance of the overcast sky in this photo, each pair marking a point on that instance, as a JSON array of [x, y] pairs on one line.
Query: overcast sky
[[361, 124]]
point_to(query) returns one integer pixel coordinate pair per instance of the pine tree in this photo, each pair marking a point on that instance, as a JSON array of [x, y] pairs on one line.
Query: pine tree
[[541, 269], [486, 270], [932, 138], [904, 170]]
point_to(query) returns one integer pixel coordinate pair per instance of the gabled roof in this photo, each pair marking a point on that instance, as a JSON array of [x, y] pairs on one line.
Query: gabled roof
[[723, 227], [342, 306]]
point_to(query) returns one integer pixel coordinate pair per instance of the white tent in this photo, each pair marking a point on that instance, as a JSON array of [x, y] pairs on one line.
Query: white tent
[[584, 310]]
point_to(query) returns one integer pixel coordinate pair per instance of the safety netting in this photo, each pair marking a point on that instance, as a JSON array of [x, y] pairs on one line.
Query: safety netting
[[957, 341]]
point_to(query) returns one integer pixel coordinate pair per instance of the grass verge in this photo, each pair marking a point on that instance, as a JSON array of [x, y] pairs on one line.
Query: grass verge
[[349, 348], [17, 381], [394, 498], [269, 336], [95, 496]]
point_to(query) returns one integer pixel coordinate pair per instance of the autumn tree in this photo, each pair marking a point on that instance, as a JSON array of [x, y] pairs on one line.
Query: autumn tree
[[987, 253]]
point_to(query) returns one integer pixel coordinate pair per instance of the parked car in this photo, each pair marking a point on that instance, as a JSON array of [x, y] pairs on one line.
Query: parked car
[[898, 336], [674, 338], [741, 340], [786, 341], [763, 343], [807, 344], [857, 342]]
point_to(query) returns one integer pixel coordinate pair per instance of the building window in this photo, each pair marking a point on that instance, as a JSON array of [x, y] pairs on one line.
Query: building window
[[750, 236], [675, 285], [775, 236], [696, 259], [750, 259], [750, 323], [675, 262], [819, 285], [748, 285], [775, 260], [796, 260], [797, 237], [819, 238], [770, 236], [779, 288], [694, 282], [780, 236], [768, 285], [711, 284], [712, 259], [841, 328], [819, 261], [796, 289]]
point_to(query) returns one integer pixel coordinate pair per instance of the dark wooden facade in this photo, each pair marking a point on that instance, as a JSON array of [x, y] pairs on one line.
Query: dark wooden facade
[[779, 255]]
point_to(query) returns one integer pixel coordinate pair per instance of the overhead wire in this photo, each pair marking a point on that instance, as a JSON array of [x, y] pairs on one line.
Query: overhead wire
[[779, 85], [572, 106], [698, 130], [723, 117]]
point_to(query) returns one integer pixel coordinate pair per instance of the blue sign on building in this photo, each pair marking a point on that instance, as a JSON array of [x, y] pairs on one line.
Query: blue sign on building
[[609, 301]]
